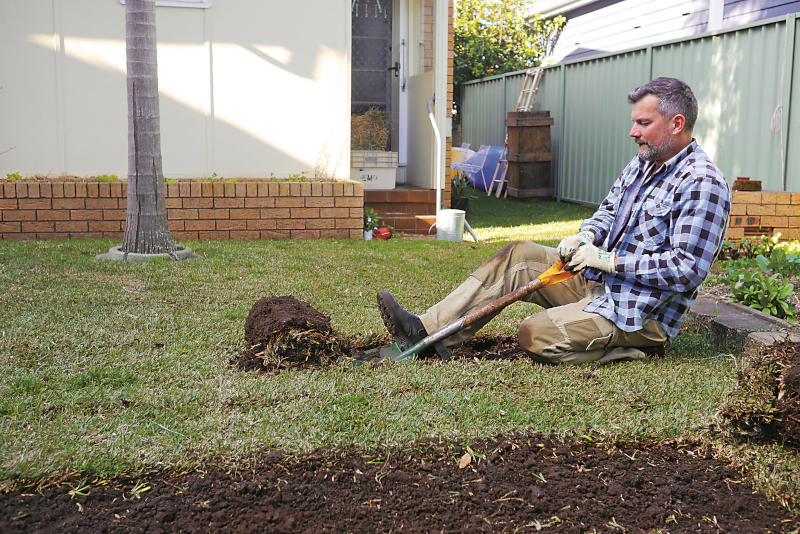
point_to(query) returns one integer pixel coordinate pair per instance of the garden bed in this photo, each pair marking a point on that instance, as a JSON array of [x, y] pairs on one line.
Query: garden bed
[[67, 208], [502, 484]]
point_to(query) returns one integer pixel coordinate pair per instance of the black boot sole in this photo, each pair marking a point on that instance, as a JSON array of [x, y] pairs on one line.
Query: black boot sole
[[395, 332]]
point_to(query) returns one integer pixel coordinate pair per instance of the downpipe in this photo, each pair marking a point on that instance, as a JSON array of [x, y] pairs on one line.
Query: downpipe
[[439, 185]]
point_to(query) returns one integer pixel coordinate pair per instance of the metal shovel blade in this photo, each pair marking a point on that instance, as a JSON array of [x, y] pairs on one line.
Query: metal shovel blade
[[379, 355]]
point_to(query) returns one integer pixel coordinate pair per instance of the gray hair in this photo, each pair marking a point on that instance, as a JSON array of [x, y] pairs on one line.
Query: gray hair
[[674, 98]]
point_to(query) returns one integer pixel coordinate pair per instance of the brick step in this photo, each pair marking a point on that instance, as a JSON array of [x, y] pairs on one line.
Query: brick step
[[409, 224], [400, 196], [408, 208]]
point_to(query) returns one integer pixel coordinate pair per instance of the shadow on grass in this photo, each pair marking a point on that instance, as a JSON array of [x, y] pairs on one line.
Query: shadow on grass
[[481, 347]]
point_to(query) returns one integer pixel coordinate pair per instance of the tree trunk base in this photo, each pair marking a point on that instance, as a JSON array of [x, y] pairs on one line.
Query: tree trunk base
[[117, 254]]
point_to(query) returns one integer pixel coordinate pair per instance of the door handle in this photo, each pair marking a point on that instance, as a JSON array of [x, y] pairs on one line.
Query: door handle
[[395, 68]]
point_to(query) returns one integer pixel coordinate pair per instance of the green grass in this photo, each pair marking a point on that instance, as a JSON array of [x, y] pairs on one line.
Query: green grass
[[110, 368]]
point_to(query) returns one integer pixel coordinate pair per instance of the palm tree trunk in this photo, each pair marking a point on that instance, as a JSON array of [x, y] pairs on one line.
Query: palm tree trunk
[[147, 231]]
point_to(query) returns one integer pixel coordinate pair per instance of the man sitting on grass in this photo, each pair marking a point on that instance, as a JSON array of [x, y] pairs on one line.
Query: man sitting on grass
[[641, 256]]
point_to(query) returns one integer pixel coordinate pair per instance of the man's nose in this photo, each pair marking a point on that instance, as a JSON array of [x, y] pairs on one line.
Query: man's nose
[[634, 131]]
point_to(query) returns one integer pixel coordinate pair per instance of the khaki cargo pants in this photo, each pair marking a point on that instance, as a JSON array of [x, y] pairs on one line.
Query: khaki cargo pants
[[563, 332]]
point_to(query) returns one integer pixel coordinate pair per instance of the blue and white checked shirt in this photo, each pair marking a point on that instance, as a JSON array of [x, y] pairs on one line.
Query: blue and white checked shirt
[[674, 234]]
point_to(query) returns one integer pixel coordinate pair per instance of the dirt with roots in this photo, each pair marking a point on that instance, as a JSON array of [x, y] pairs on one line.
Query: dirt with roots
[[766, 404], [283, 332], [505, 484]]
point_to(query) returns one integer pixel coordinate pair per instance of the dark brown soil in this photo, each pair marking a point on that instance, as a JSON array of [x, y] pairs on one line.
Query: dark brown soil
[[283, 332], [766, 404], [497, 485]]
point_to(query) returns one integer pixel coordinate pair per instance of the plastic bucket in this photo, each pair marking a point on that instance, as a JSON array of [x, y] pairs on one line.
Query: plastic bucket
[[450, 225]]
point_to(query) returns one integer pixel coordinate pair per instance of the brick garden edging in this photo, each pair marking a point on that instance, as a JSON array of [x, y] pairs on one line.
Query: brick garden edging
[[756, 213], [196, 209]]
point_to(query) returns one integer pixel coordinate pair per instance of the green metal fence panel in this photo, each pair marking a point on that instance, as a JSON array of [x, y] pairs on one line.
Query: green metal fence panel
[[550, 98], [747, 82], [483, 123], [736, 78], [596, 123], [791, 114]]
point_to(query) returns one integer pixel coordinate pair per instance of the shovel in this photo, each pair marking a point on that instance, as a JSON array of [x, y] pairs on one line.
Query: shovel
[[395, 353]]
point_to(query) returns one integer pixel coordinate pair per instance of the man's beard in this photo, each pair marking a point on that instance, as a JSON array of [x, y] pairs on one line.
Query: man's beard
[[654, 152]]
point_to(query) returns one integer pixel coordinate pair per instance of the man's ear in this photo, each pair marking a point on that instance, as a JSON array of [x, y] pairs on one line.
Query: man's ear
[[678, 124]]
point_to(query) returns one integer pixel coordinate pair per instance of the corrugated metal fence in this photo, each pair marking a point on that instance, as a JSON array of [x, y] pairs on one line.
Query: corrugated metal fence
[[746, 80]]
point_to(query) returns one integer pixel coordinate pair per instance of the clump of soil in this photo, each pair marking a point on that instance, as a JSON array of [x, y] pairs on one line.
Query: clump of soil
[[766, 404], [283, 332], [503, 484]]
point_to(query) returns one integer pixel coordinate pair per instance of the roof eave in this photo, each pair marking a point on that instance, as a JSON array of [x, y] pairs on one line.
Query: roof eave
[[551, 8]]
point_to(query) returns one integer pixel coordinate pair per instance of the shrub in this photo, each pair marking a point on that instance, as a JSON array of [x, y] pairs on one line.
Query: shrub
[[461, 187], [764, 291], [371, 219]]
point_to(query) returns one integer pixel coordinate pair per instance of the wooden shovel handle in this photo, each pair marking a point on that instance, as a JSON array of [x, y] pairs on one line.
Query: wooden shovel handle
[[553, 275]]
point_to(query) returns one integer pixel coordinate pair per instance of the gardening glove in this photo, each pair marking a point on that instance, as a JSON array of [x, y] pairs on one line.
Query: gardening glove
[[588, 255], [568, 244]]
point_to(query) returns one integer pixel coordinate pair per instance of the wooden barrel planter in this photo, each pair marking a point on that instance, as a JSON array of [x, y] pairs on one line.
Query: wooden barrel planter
[[529, 156]]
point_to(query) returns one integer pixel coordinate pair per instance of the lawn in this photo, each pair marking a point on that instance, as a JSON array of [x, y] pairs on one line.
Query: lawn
[[111, 368]]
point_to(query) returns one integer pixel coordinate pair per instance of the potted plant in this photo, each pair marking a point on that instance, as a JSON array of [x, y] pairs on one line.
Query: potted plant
[[461, 191], [371, 222]]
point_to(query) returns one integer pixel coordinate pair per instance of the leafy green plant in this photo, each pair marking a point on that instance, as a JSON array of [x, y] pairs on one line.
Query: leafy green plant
[[748, 247], [763, 291], [13, 177], [371, 219], [781, 262], [461, 187], [107, 178], [296, 177]]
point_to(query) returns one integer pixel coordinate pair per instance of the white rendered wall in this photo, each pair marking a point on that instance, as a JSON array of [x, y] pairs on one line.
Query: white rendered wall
[[248, 88]]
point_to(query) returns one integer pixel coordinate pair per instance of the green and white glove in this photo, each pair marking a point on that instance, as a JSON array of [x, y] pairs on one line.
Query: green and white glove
[[588, 255], [568, 244]]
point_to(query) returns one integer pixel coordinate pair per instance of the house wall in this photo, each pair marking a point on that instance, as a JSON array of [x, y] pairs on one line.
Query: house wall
[[247, 88], [612, 26]]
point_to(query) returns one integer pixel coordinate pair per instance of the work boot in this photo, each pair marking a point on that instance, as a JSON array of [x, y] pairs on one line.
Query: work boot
[[405, 327]]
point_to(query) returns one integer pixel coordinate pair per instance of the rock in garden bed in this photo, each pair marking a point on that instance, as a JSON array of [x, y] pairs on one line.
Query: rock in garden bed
[[283, 332], [766, 404]]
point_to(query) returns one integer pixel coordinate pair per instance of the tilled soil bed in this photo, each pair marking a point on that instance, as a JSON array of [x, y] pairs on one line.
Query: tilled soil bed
[[520, 483]]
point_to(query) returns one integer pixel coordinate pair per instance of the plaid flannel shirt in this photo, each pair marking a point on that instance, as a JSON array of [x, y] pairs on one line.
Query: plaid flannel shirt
[[663, 255]]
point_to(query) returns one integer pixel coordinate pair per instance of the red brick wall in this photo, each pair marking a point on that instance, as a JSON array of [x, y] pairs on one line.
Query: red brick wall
[[756, 213], [195, 209]]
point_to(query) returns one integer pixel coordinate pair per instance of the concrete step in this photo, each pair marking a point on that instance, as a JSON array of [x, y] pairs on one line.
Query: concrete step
[[736, 326]]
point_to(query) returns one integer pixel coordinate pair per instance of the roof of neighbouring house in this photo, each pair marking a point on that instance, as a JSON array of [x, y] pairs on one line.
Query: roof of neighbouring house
[[550, 8]]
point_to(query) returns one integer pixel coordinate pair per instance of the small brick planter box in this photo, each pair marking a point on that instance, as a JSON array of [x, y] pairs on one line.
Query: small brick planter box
[[196, 209], [756, 213]]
